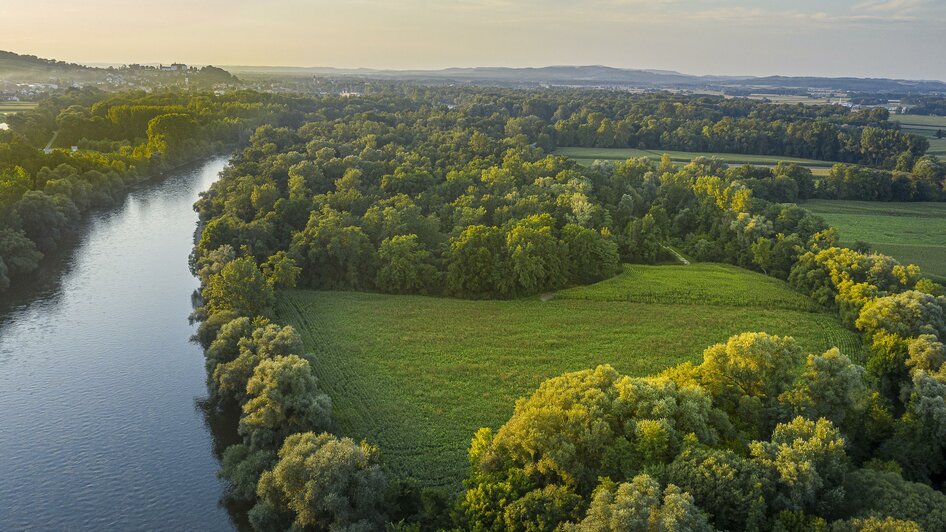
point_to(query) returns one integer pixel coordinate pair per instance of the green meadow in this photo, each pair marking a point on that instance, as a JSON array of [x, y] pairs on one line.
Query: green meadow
[[419, 375], [925, 126], [911, 232]]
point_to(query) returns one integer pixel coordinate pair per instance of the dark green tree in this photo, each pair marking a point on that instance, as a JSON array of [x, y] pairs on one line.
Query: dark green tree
[[404, 266]]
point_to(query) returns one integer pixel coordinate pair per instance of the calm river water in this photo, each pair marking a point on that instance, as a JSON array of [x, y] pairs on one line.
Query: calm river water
[[99, 384]]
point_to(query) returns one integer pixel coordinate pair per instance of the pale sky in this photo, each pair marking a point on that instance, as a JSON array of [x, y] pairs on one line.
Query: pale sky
[[868, 38]]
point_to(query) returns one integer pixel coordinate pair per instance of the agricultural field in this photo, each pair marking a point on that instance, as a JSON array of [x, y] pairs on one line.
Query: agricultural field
[[419, 375], [910, 232], [794, 99], [926, 126], [587, 156]]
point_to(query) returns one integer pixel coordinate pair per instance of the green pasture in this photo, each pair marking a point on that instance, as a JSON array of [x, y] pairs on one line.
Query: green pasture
[[419, 375], [925, 126], [911, 232]]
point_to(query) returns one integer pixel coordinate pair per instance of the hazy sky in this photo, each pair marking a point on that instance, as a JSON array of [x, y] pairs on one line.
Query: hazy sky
[[888, 38]]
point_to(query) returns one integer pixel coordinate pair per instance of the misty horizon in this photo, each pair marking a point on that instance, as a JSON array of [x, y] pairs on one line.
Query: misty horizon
[[246, 67], [849, 38]]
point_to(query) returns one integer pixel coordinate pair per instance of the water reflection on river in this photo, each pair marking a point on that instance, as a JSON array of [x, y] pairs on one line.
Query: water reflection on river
[[99, 384]]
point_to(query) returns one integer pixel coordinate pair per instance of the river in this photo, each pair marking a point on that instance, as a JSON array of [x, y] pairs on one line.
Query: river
[[100, 426]]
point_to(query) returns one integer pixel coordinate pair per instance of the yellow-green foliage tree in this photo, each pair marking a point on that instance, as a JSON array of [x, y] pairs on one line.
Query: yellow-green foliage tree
[[239, 287], [283, 398], [321, 482]]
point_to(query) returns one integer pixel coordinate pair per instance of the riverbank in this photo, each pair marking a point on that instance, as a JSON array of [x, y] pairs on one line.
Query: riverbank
[[22, 286], [102, 415]]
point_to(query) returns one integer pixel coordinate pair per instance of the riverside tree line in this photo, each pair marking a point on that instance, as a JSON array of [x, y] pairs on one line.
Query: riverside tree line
[[122, 139], [406, 195]]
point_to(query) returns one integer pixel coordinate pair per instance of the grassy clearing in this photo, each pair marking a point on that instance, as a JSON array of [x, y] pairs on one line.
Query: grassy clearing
[[589, 155], [911, 232], [719, 285], [938, 148], [925, 126], [419, 375]]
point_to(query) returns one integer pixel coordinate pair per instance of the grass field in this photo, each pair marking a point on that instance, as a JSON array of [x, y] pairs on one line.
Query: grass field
[[911, 232], [926, 126], [419, 375], [15, 107], [589, 155]]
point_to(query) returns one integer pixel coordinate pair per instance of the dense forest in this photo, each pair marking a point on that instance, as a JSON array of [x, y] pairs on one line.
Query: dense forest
[[410, 137], [454, 192]]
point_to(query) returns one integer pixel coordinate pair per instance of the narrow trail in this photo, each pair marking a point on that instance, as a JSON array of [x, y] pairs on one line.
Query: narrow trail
[[683, 260], [49, 145]]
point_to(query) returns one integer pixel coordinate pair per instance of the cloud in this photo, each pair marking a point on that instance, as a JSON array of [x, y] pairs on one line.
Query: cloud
[[729, 12], [650, 12], [890, 6], [921, 11], [868, 13]]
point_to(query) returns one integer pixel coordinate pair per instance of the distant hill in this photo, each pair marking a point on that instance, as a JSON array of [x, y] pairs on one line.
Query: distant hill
[[28, 68], [549, 74], [597, 75], [16, 66]]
